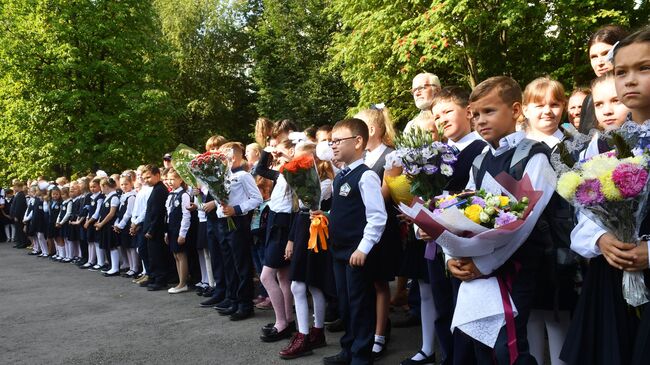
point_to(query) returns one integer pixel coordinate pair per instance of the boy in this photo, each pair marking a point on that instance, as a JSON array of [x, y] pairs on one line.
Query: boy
[[236, 244], [18, 208], [496, 107], [153, 227], [356, 198]]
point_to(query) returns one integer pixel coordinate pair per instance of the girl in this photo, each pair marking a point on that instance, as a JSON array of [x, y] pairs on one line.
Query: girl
[[602, 313], [122, 224], [380, 144], [253, 152], [544, 102], [62, 222], [203, 252], [39, 221], [179, 220], [263, 127], [54, 232], [258, 230], [79, 190], [108, 239], [10, 229], [599, 45], [275, 273], [609, 111], [96, 256], [29, 227], [308, 270]]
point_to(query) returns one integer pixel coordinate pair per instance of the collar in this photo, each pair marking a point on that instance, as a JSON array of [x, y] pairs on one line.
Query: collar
[[237, 169], [94, 195], [373, 156], [508, 142], [110, 195], [552, 140], [178, 190], [462, 143], [355, 164]]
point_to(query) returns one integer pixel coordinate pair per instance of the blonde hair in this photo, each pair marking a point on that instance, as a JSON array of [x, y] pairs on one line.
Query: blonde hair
[[537, 90], [263, 128], [214, 142], [255, 147], [381, 120]]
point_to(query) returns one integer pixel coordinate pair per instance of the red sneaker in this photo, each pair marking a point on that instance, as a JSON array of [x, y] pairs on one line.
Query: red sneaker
[[299, 346], [316, 338]]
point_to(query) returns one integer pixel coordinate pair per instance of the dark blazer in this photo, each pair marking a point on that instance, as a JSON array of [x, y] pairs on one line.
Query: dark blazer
[[18, 206], [154, 219]]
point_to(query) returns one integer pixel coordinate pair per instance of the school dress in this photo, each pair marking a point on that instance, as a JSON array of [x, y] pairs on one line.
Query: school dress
[[39, 221], [124, 212], [52, 230], [63, 217], [6, 210], [108, 239], [93, 212], [179, 221], [387, 253], [75, 209]]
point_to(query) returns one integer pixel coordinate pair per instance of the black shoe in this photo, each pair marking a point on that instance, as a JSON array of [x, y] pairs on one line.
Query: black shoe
[[378, 355], [199, 290], [156, 287], [32, 253], [228, 311], [208, 292], [224, 304], [338, 359], [270, 326], [274, 335], [113, 274], [336, 326], [240, 315], [427, 360], [409, 320]]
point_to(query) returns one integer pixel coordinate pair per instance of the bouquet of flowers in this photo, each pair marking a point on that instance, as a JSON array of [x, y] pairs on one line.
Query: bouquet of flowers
[[612, 190], [428, 164], [302, 177], [181, 159], [212, 169], [487, 209]]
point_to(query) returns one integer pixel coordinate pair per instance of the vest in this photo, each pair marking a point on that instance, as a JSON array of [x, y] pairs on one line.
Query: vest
[[463, 165], [348, 214]]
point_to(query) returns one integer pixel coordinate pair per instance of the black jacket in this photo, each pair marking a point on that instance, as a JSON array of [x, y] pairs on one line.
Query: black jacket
[[154, 219], [18, 206]]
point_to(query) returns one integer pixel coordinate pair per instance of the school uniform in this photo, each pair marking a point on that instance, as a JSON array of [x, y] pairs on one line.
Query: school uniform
[[219, 293], [124, 214], [356, 198], [38, 223], [74, 209], [108, 239], [179, 219], [517, 261], [17, 212], [85, 206], [53, 214], [154, 226], [27, 218], [137, 218], [96, 201], [456, 348], [236, 244], [6, 219], [63, 217]]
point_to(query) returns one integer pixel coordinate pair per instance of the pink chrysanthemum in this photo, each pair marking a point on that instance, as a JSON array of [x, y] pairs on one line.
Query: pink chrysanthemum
[[630, 179], [589, 193]]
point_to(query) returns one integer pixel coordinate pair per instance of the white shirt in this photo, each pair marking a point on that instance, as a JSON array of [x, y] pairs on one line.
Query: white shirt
[[129, 199], [373, 156], [68, 211], [28, 213], [370, 189], [281, 201], [186, 215], [542, 178], [244, 194], [140, 205], [98, 204], [325, 189], [462, 143]]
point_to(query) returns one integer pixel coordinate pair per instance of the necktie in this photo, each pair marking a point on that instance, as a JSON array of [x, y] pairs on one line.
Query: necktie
[[344, 171]]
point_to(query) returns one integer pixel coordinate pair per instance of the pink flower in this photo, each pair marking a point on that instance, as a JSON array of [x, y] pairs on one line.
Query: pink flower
[[630, 179], [589, 193]]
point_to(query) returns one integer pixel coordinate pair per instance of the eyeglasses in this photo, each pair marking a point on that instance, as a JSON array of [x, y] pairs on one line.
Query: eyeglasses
[[420, 88], [337, 142]]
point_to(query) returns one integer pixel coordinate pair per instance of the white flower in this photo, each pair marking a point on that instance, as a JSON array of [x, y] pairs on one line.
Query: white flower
[[484, 217], [324, 152], [393, 160], [446, 169], [493, 201]]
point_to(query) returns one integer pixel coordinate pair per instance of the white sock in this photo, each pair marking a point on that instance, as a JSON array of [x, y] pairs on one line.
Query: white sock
[[318, 298], [208, 267], [42, 243], [204, 273], [299, 290], [8, 231], [92, 254], [144, 269], [101, 255], [124, 260], [381, 340], [428, 314], [135, 258], [115, 262]]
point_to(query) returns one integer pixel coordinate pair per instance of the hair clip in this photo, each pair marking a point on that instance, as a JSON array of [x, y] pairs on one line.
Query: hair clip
[[379, 106], [610, 54]]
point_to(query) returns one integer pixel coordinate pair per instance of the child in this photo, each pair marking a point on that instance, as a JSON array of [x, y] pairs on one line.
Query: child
[[555, 297], [496, 108], [380, 144], [601, 310], [10, 228], [28, 227], [138, 215], [356, 198], [275, 273], [62, 221], [258, 230], [203, 253], [308, 270], [96, 255], [122, 223], [153, 226], [80, 210], [18, 208], [253, 152], [108, 240], [54, 232], [37, 222], [236, 244], [179, 220]]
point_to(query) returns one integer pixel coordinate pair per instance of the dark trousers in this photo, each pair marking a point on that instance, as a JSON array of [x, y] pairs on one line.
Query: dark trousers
[[413, 299], [523, 289], [83, 242], [158, 259], [216, 260], [356, 295], [443, 301], [463, 344], [143, 252], [21, 238], [237, 260]]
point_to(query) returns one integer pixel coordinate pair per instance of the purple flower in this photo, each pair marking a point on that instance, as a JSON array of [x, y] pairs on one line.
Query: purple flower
[[448, 158], [589, 193], [448, 203], [437, 211], [478, 200], [429, 169], [504, 218], [413, 170]]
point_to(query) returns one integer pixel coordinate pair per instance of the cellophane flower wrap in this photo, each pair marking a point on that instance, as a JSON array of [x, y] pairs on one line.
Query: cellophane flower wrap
[[428, 164], [212, 170], [487, 209], [181, 159], [612, 190]]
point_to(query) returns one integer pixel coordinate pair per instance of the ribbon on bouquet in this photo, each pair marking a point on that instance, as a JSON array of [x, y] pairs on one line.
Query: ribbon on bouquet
[[318, 231]]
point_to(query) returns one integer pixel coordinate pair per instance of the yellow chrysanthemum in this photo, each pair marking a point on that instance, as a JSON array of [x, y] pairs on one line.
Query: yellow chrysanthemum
[[504, 200], [473, 212], [567, 184], [400, 189], [639, 160], [608, 187], [599, 166]]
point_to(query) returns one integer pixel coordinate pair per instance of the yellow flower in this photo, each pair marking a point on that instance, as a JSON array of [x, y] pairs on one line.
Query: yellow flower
[[639, 160], [608, 187], [504, 200], [400, 189], [598, 166], [567, 184], [473, 212]]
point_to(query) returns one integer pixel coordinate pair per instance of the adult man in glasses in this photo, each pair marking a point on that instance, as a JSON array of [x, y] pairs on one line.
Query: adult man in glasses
[[425, 86]]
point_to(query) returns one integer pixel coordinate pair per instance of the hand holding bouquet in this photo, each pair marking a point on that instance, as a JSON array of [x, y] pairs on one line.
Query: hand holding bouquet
[[212, 170]]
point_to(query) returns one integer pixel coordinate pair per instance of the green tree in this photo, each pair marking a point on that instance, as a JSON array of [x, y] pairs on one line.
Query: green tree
[[82, 86]]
